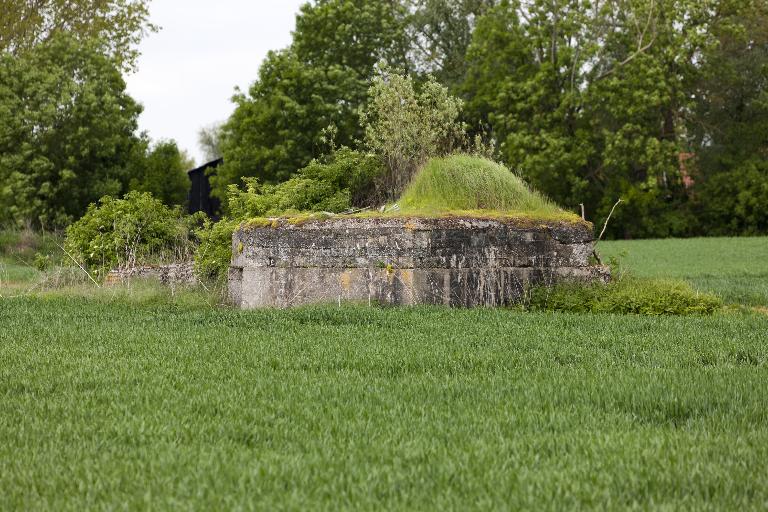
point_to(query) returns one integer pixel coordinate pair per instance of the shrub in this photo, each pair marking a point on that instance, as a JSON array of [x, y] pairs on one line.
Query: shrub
[[464, 182], [42, 262], [735, 202], [625, 296], [122, 232], [408, 127], [346, 179], [67, 131], [214, 251]]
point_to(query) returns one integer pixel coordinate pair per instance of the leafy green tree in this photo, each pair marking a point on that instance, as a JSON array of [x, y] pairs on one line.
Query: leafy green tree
[[354, 34], [599, 101], [440, 32], [276, 129], [120, 25], [162, 171], [524, 88], [67, 136], [728, 128], [321, 81]]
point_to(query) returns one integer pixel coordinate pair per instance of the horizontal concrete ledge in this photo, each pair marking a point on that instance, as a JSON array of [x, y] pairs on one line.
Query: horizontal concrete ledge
[[396, 260], [564, 231]]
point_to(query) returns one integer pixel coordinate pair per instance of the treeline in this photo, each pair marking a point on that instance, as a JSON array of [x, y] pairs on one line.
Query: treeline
[[660, 103]]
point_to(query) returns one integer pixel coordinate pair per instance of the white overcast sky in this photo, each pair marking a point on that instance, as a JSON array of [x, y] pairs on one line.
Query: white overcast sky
[[188, 71]]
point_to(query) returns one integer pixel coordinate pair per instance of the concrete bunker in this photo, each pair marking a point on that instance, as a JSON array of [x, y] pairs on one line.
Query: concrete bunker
[[452, 261]]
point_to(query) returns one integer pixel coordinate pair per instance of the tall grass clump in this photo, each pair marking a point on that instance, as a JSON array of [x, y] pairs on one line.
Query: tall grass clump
[[465, 182], [628, 295]]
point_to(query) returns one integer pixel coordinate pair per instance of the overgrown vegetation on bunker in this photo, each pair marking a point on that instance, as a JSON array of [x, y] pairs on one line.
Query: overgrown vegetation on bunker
[[469, 183]]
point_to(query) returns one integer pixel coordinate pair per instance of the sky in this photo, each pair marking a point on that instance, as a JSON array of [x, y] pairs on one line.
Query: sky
[[188, 71]]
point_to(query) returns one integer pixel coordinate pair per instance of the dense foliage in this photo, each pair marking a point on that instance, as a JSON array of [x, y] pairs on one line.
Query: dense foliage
[[660, 103], [321, 81], [67, 135], [129, 231], [214, 250], [657, 102], [407, 127], [440, 32], [342, 181], [162, 171], [117, 25]]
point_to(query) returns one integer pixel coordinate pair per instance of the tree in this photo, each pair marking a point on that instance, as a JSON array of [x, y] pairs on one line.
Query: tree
[[523, 91], [727, 126], [597, 101], [67, 136], [120, 25], [354, 34], [440, 32], [210, 140], [588, 100], [321, 81], [276, 129], [162, 171]]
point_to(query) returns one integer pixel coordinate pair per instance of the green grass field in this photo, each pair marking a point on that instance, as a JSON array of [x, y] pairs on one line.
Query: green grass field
[[734, 268], [136, 399]]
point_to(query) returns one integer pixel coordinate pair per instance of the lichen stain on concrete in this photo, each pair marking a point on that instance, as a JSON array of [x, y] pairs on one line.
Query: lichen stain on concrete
[[345, 281]]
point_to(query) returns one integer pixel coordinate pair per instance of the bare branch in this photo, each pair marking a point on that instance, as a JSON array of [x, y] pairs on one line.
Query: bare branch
[[79, 265], [642, 46], [605, 226]]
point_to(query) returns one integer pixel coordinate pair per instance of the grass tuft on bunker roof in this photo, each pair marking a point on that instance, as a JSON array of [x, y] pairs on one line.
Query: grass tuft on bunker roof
[[465, 183]]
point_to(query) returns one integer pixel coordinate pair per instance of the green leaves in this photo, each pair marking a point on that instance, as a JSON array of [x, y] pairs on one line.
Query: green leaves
[[406, 126], [68, 131], [347, 178], [124, 232], [162, 171], [118, 25], [321, 80], [596, 102]]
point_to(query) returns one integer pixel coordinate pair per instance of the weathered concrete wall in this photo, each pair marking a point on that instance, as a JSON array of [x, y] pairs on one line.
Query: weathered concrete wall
[[405, 261]]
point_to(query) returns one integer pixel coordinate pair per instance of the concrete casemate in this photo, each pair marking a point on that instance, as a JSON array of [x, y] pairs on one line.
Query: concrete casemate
[[452, 261]]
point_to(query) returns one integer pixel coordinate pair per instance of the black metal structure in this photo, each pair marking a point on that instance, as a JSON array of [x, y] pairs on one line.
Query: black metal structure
[[200, 199]]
